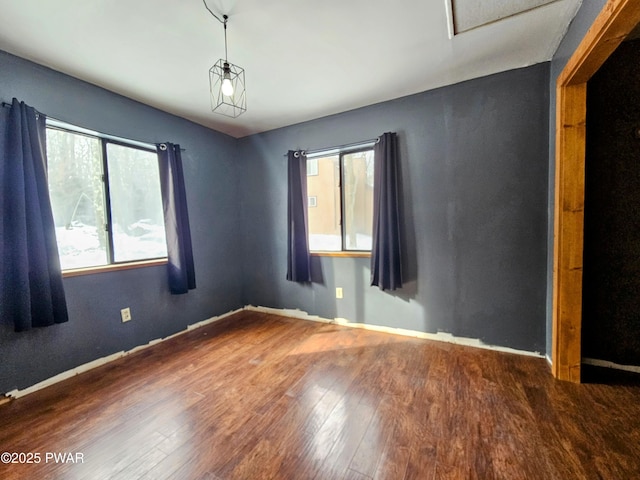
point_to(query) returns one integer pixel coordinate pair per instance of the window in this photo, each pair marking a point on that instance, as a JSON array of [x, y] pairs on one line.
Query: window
[[342, 217], [313, 202], [106, 200], [312, 167]]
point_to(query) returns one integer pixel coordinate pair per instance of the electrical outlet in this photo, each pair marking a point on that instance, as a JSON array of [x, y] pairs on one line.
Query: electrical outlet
[[125, 313], [338, 292]]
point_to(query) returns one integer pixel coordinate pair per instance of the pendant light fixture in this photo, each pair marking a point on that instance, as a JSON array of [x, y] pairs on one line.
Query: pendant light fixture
[[226, 81]]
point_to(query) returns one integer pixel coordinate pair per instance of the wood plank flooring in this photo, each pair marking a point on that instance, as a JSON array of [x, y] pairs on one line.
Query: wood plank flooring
[[259, 396]]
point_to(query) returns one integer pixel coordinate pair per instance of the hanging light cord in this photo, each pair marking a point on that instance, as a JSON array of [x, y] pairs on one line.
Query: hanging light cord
[[225, 38], [224, 22], [214, 15]]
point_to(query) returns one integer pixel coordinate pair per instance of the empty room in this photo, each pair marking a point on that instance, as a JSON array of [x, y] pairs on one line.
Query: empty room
[[320, 240]]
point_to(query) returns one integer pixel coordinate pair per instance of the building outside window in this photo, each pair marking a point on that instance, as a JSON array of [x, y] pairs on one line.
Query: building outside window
[[342, 218]]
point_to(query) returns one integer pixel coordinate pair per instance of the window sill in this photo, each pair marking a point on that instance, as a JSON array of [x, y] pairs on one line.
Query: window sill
[[341, 254], [76, 272]]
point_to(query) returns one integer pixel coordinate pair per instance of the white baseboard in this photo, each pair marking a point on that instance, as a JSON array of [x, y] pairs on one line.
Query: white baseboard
[[605, 363], [299, 314], [549, 361], [291, 313], [110, 358], [440, 336]]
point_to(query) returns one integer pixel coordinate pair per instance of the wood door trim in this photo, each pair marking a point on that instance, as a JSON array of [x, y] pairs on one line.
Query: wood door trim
[[616, 20]]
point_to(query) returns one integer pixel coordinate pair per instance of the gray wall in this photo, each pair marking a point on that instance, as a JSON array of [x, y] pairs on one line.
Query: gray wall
[[474, 175], [577, 30], [94, 329]]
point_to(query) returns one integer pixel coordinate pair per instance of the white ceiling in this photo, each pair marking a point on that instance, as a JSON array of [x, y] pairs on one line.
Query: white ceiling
[[304, 59]]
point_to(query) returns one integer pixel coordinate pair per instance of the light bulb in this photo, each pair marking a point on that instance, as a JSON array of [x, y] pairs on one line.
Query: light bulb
[[227, 86]]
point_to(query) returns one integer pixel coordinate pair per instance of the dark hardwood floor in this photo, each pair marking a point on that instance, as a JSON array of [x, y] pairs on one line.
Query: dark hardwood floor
[[259, 396]]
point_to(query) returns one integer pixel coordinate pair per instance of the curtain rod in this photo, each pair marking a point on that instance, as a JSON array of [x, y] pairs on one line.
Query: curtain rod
[[54, 122], [340, 148], [8, 105]]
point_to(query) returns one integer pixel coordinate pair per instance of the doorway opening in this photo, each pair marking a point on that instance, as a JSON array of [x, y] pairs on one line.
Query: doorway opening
[[616, 21]]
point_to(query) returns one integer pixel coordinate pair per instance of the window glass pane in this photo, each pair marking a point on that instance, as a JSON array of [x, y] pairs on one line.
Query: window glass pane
[[358, 200], [77, 198], [312, 167], [136, 204], [324, 218]]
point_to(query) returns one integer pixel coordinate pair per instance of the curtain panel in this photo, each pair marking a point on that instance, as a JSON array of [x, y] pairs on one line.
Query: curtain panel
[[32, 288], [181, 270], [298, 259], [386, 258]]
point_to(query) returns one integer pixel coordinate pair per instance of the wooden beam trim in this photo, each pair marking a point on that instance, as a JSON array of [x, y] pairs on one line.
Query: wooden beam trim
[[568, 233], [610, 28], [352, 254], [114, 267]]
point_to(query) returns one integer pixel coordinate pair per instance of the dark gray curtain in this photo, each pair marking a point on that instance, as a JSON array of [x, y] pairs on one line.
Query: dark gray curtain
[[299, 260], [32, 289], [182, 275], [386, 267]]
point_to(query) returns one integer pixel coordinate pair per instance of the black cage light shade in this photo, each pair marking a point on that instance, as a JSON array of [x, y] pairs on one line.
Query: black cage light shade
[[226, 81], [228, 93]]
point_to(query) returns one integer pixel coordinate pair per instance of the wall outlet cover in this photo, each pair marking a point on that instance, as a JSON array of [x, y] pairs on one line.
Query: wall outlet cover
[[125, 314]]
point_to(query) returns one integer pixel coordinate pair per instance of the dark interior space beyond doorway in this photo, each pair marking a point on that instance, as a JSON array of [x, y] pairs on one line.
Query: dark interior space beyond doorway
[[609, 376], [611, 302]]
